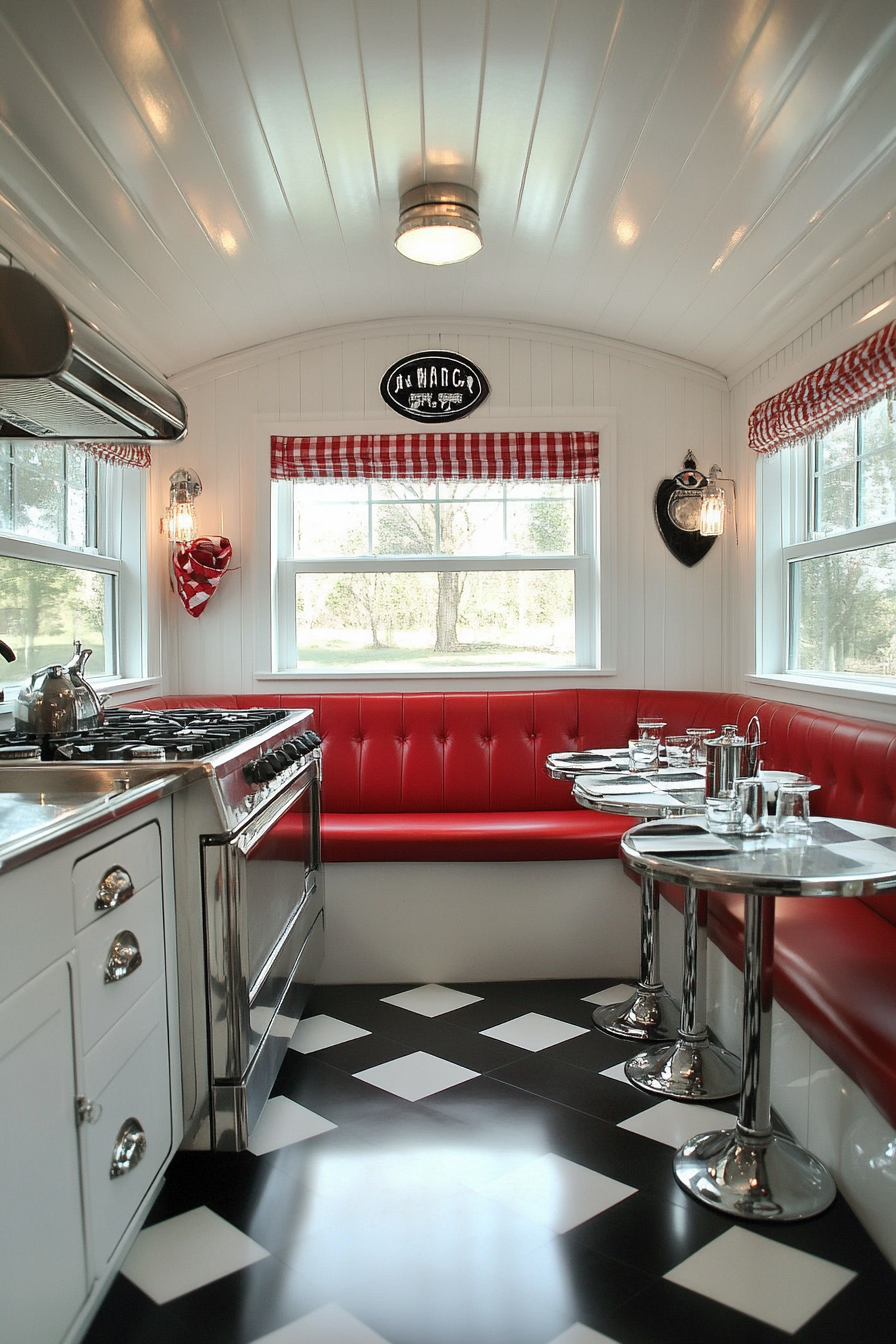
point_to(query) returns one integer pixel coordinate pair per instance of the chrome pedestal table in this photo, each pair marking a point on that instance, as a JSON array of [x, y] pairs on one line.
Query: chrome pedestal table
[[649, 1014], [691, 1067], [750, 1171]]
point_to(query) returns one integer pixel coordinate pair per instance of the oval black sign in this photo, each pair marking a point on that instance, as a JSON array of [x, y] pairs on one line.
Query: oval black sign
[[434, 385]]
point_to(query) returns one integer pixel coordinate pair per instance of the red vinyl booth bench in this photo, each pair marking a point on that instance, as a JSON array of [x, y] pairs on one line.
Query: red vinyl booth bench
[[460, 776]]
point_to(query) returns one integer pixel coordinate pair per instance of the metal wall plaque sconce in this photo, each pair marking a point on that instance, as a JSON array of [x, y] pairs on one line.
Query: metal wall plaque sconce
[[690, 510]]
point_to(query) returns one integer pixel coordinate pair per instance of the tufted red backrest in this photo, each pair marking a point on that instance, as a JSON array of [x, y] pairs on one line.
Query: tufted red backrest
[[485, 751]]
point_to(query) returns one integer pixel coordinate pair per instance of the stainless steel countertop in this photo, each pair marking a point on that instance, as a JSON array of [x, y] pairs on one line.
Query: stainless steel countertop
[[45, 805]]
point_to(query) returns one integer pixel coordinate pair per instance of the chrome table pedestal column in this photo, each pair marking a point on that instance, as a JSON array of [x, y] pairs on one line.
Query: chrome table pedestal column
[[692, 1068], [750, 1171], [649, 1014]]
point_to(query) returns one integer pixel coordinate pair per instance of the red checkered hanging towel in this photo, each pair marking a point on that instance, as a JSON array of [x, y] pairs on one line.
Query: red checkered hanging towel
[[199, 566], [837, 391], [568, 455], [119, 454]]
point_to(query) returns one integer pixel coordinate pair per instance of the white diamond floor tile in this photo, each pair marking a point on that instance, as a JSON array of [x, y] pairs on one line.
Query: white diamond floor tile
[[327, 1325], [186, 1252], [432, 1000], [319, 1033], [764, 1279], [283, 1122], [534, 1031], [416, 1076], [615, 994], [618, 1074], [557, 1193], [582, 1334], [674, 1122]]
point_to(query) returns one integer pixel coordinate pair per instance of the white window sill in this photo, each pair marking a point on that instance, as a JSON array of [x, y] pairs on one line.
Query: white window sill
[[404, 675], [875, 692]]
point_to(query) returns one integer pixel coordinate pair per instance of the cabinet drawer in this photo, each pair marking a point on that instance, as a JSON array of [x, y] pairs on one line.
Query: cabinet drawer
[[128, 1075], [110, 947], [137, 855]]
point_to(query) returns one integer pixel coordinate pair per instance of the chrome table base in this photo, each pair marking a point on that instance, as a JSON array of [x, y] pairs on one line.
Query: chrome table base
[[755, 1177], [686, 1070], [692, 1068], [649, 1014], [750, 1171]]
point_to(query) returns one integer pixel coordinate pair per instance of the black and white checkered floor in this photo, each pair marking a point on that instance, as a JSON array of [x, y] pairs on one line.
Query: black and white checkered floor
[[469, 1166]]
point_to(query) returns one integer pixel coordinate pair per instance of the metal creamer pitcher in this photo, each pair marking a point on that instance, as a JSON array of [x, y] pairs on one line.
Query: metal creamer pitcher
[[731, 756]]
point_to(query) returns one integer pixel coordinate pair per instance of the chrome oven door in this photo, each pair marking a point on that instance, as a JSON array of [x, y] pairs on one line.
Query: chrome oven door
[[264, 944]]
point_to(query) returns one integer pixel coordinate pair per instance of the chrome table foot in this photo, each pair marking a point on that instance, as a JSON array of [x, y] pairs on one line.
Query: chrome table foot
[[686, 1070], [764, 1177], [648, 1015]]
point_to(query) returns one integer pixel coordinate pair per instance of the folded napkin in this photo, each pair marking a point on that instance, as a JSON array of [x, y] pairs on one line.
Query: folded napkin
[[682, 845]]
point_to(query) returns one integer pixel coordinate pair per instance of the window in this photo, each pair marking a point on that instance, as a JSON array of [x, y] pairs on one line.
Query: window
[[378, 575], [839, 549], [63, 517]]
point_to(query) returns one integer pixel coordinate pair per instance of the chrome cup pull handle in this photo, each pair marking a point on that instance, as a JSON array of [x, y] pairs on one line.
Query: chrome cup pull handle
[[124, 957], [115, 888], [130, 1148]]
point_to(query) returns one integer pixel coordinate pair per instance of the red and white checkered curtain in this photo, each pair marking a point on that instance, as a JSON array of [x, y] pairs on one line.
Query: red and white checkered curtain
[[120, 454], [547, 456], [837, 391]]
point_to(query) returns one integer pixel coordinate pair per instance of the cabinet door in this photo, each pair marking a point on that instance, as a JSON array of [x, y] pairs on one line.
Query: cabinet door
[[43, 1271]]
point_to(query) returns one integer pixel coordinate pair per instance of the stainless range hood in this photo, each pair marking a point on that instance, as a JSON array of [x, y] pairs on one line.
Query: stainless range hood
[[61, 379]]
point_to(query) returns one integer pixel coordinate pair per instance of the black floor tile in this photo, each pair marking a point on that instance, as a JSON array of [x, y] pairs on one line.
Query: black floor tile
[[393, 1215], [580, 1089]]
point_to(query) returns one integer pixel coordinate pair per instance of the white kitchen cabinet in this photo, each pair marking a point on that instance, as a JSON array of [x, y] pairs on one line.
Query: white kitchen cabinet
[[90, 1107], [43, 1265]]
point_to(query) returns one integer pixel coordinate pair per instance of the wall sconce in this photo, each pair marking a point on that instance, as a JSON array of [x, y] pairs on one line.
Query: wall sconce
[[438, 224], [690, 510], [712, 510], [179, 519]]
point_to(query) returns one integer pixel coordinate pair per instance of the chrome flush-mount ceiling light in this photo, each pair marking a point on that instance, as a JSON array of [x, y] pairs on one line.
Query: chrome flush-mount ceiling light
[[439, 224]]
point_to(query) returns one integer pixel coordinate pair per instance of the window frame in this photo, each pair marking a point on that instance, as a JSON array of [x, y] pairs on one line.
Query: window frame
[[583, 564], [787, 509], [120, 552]]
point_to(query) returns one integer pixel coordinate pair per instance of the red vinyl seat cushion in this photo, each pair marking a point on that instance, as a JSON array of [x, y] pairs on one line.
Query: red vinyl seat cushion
[[459, 837]]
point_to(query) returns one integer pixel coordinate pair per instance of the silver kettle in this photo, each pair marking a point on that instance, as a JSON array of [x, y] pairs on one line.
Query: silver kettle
[[731, 756], [59, 699]]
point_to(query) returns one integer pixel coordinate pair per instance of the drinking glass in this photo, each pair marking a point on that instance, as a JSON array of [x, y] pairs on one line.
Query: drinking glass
[[750, 795], [723, 813], [698, 736], [678, 751], [792, 810], [652, 728], [643, 753]]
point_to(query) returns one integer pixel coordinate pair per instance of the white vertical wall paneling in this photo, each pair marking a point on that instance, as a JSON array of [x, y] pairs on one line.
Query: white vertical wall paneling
[[658, 653], [290, 398], [659, 408], [249, 558], [520, 374]]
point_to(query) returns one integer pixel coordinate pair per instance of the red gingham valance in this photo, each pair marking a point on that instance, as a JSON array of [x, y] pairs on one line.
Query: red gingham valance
[[570, 455], [836, 392], [121, 454]]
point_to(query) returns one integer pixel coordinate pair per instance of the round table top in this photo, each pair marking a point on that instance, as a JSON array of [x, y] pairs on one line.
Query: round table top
[[837, 858]]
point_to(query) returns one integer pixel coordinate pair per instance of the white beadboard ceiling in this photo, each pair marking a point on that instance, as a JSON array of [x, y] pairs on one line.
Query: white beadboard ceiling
[[694, 176]]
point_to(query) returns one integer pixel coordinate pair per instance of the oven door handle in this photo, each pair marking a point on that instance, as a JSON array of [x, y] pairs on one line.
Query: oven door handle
[[246, 836]]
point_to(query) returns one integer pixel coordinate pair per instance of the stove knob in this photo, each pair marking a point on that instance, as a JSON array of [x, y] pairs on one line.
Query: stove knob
[[266, 767], [258, 771], [315, 739], [278, 759], [291, 751], [307, 741]]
